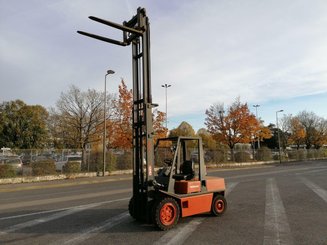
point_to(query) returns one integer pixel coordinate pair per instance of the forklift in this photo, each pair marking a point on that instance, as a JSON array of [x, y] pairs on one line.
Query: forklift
[[180, 187]]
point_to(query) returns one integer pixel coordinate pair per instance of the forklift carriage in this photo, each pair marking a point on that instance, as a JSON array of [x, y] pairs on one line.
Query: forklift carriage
[[180, 187]]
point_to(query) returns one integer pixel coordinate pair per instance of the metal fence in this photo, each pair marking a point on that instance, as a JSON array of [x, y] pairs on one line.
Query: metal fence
[[92, 161]]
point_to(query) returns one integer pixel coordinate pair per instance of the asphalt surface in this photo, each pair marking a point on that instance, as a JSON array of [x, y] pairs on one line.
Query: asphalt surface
[[281, 204]]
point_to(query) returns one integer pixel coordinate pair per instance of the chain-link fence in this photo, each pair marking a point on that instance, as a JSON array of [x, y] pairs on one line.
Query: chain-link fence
[[76, 160]]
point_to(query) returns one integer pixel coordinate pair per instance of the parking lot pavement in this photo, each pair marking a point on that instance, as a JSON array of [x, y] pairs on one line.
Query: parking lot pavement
[[62, 183]]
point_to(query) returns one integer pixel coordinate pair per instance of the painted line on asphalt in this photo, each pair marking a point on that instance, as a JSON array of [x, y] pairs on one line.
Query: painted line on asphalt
[[268, 173], [312, 171], [61, 199], [179, 234], [95, 230], [276, 229], [54, 216], [41, 220], [315, 188], [230, 187], [61, 209]]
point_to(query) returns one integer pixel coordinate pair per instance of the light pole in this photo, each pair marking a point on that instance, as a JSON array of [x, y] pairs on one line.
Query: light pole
[[166, 86], [280, 159], [105, 120], [256, 115]]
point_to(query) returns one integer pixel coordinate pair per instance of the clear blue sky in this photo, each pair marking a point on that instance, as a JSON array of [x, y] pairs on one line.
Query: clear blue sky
[[272, 53]]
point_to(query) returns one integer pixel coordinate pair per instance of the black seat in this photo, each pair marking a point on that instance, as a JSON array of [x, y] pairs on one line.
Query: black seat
[[187, 172]]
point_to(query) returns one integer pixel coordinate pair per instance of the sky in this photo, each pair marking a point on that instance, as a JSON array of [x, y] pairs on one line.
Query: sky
[[272, 53]]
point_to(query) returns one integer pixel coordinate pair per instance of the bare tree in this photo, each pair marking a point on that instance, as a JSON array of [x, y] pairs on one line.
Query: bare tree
[[285, 129], [315, 129], [78, 117]]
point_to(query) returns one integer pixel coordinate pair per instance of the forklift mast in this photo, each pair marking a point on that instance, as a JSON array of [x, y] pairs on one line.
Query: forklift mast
[[136, 31]]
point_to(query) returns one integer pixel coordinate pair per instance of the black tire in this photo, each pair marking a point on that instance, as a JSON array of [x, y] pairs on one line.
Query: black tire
[[219, 205], [131, 207], [166, 213]]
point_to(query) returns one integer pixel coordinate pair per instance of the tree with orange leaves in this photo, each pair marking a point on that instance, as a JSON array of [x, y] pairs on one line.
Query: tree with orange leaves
[[121, 123], [237, 125], [120, 126], [160, 131], [297, 136]]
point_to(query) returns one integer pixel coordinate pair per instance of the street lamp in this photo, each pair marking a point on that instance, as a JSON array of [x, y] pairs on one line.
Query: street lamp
[[166, 86], [104, 119], [256, 115], [280, 159]]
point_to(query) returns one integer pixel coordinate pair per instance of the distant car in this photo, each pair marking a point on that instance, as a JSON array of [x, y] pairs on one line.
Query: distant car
[[68, 158], [15, 162]]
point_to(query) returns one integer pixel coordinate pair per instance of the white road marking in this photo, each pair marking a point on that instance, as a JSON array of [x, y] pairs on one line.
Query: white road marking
[[270, 172], [61, 199], [95, 230], [55, 216], [39, 221], [61, 209], [315, 188], [179, 234], [312, 171], [276, 230], [230, 187]]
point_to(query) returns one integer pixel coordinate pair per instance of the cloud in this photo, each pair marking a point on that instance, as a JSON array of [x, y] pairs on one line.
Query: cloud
[[209, 51]]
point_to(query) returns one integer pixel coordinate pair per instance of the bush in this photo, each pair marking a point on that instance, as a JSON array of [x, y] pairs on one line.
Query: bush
[[72, 167], [242, 156], [312, 153], [96, 164], [44, 167], [7, 171], [264, 154], [297, 154], [322, 152]]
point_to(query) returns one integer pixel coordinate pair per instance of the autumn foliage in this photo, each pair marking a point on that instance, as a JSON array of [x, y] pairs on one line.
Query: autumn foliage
[[235, 125], [120, 132], [119, 127]]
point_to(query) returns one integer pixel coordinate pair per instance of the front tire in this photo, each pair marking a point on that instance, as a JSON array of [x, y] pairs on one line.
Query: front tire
[[219, 205], [166, 213]]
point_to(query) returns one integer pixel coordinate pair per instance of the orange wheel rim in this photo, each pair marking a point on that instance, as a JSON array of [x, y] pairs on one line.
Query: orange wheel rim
[[220, 205], [167, 214]]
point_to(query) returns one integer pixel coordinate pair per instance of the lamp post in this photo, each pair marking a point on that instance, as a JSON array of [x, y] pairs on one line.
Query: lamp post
[[256, 115], [280, 159], [104, 120], [166, 86]]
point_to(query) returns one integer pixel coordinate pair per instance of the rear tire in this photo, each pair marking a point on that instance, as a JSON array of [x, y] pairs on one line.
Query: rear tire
[[131, 207], [166, 213], [219, 205]]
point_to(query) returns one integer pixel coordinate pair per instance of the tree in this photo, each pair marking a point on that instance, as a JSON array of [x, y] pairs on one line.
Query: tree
[[184, 129], [207, 138], [159, 129], [297, 131], [23, 126], [315, 129], [237, 126], [121, 123], [320, 133], [272, 141], [77, 117]]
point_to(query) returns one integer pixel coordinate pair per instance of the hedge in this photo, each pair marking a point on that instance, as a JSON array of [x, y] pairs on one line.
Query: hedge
[[72, 167], [7, 171], [44, 167]]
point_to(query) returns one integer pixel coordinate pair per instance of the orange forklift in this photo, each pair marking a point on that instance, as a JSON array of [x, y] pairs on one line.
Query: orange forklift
[[180, 188]]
